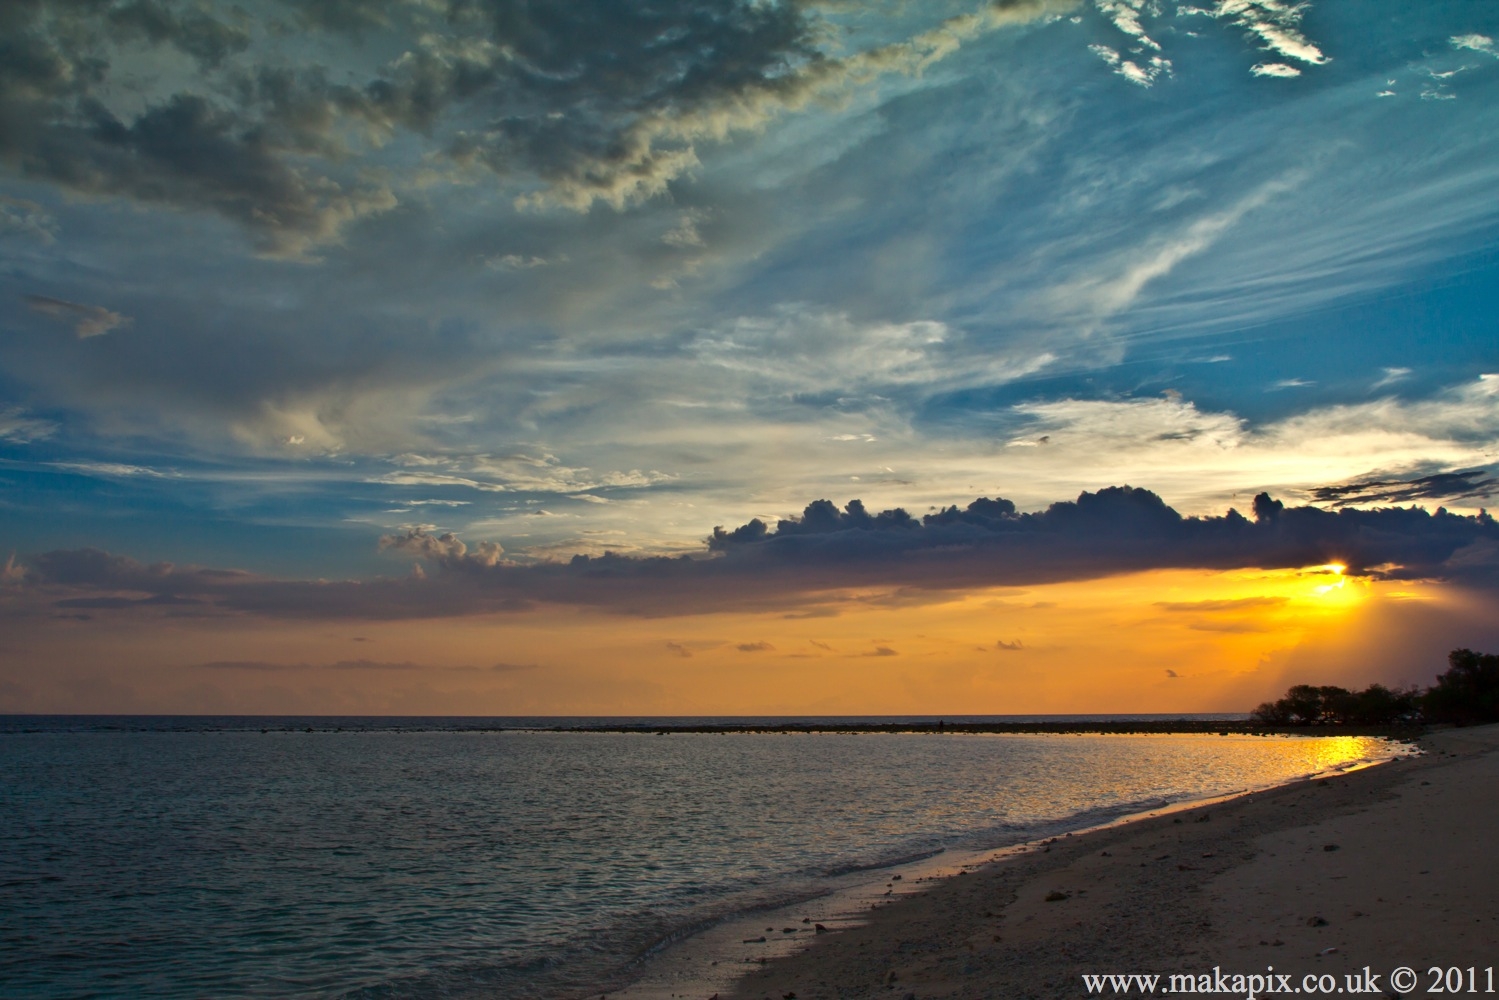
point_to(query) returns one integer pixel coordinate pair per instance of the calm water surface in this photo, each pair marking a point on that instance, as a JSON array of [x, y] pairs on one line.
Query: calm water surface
[[539, 864]]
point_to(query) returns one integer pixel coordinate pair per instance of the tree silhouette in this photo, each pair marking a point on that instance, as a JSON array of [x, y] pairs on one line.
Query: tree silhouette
[[1311, 705], [1467, 693]]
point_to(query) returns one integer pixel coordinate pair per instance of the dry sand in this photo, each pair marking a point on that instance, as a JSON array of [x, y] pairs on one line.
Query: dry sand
[[1396, 865]]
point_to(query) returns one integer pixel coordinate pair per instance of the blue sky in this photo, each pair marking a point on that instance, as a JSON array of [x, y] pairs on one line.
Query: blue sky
[[281, 279]]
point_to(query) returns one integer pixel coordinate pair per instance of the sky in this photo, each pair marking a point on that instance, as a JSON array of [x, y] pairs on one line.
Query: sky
[[743, 356]]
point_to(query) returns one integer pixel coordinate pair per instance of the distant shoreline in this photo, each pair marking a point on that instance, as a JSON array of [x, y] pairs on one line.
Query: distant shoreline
[[1123, 724], [1104, 727]]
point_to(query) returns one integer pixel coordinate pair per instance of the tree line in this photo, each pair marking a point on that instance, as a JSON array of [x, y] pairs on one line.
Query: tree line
[[1466, 694]]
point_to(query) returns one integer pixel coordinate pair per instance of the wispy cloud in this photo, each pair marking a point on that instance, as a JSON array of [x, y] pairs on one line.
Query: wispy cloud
[[521, 262], [1464, 484], [1119, 283], [1391, 376], [1476, 43], [87, 320], [112, 470], [22, 217], [1222, 605], [17, 426]]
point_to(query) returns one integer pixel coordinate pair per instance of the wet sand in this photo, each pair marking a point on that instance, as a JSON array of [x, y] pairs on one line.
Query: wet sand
[[1395, 865]]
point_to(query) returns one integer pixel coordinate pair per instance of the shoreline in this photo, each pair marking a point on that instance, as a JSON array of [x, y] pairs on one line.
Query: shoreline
[[719, 958], [1380, 866]]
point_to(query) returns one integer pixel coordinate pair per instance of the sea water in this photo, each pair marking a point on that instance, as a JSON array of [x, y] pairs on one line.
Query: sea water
[[171, 858]]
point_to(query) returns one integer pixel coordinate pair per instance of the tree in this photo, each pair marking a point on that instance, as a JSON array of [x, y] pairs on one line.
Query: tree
[[1328, 704], [1271, 713], [1378, 704], [1467, 693]]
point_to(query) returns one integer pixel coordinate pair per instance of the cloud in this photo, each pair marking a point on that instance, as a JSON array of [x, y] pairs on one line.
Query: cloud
[[340, 665], [801, 350], [88, 321], [1275, 23], [26, 218], [111, 470], [1466, 484], [1234, 627], [341, 375], [1476, 43], [1125, 15], [1206, 460], [755, 647], [1214, 606], [777, 67], [1009, 647], [826, 550], [507, 668], [1391, 376], [446, 550], [12, 574], [520, 262], [1113, 530], [155, 600], [801, 354], [185, 152], [19, 428], [566, 105], [822, 517], [684, 234], [1144, 75], [1280, 70], [193, 32], [519, 473], [1121, 279]]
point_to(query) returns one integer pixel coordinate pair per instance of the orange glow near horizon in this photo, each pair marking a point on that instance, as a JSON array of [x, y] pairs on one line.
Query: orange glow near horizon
[[1158, 641]]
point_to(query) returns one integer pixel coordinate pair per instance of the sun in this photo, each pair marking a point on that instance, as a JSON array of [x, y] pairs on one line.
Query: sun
[[1335, 570]]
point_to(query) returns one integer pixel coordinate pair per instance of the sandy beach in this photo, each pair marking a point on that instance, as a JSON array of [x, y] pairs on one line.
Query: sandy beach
[[1386, 867]]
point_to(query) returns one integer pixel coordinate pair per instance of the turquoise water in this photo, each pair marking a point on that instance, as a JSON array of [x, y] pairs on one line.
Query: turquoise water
[[141, 862]]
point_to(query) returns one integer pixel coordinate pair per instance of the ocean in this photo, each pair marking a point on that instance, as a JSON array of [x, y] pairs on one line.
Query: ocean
[[375, 858]]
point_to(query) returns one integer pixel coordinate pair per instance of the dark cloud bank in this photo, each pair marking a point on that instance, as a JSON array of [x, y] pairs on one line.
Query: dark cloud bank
[[756, 566]]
